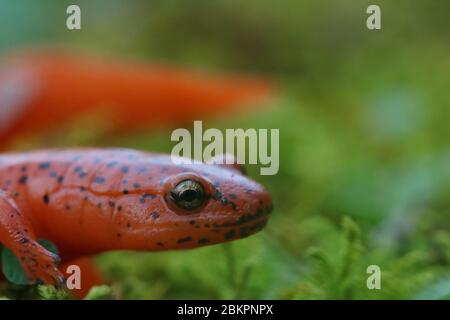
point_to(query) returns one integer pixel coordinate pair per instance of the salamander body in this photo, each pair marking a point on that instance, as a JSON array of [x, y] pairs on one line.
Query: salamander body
[[89, 201]]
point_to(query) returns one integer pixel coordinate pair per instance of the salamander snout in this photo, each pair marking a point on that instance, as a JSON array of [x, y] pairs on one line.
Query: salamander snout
[[252, 200], [212, 204], [240, 207]]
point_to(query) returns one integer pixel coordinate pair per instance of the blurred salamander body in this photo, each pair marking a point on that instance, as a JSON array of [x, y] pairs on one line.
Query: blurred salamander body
[[41, 91]]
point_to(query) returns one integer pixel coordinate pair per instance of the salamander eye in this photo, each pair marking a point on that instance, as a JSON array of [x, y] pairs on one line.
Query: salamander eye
[[188, 194]]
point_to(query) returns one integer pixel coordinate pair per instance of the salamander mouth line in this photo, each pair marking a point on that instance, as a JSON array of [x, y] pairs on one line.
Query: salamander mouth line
[[245, 230], [245, 219], [239, 229], [232, 232]]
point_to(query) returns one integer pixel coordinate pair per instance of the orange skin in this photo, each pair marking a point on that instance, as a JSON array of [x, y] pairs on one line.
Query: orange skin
[[43, 90], [88, 201]]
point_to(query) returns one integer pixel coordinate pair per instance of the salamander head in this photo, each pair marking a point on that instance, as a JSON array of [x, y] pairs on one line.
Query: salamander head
[[202, 204]]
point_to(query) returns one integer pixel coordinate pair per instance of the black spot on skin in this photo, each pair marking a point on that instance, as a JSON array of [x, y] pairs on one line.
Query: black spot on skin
[[217, 195], [249, 217], [111, 164], [99, 180], [111, 204], [23, 179], [160, 244], [192, 222], [119, 235], [16, 194], [119, 208], [183, 240], [132, 157], [24, 240], [207, 225], [44, 165], [77, 169], [46, 198], [99, 205], [203, 241], [136, 185], [128, 225], [230, 234], [141, 169], [83, 174], [125, 191], [67, 207], [124, 169], [154, 215], [82, 189], [60, 179], [147, 196]]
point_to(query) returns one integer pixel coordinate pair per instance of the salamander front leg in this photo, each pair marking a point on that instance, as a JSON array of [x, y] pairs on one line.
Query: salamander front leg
[[16, 233]]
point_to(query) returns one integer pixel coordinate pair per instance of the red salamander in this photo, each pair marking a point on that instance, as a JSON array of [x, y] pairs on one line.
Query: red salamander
[[88, 201]]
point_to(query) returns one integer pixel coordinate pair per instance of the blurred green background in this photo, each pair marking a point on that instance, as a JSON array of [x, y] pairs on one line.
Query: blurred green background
[[364, 120]]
